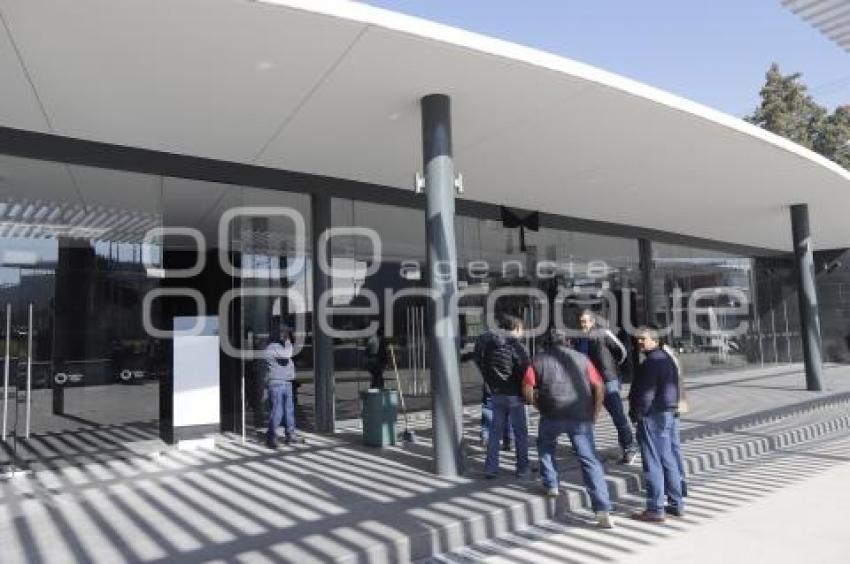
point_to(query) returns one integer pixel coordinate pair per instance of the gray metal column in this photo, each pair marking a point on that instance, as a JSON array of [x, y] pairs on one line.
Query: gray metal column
[[645, 257], [807, 293], [323, 346], [442, 328]]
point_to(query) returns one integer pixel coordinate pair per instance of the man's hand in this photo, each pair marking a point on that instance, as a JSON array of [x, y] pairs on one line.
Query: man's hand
[[529, 394], [598, 397]]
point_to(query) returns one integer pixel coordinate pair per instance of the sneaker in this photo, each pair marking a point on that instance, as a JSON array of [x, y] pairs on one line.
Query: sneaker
[[649, 517], [629, 457], [674, 511], [552, 492], [604, 520]]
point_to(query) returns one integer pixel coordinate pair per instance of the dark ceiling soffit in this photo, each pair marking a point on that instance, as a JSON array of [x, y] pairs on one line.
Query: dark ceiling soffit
[[46, 146]]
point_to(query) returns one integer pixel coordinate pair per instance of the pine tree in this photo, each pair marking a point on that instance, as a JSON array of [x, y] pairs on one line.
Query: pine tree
[[788, 110], [834, 140]]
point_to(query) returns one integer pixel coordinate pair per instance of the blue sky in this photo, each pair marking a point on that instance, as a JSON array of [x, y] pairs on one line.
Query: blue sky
[[712, 51]]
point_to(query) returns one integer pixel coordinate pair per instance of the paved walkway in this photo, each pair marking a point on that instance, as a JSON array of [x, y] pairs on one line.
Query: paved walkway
[[804, 522], [789, 508], [334, 500]]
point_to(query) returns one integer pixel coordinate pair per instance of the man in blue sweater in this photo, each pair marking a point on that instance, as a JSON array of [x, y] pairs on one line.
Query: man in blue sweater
[[653, 401]]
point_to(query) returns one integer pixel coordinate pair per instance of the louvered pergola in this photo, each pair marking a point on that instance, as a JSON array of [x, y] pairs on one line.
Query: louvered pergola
[[830, 17]]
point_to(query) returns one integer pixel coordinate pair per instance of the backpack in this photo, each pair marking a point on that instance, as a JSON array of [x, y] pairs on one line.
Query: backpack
[[498, 361]]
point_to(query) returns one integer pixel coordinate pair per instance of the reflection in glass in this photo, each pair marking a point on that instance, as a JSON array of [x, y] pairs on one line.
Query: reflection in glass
[[704, 296], [72, 278]]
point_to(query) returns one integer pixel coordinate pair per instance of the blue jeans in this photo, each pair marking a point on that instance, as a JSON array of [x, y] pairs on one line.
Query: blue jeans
[[508, 408], [660, 467], [676, 449], [282, 407], [487, 422], [581, 436], [614, 405]]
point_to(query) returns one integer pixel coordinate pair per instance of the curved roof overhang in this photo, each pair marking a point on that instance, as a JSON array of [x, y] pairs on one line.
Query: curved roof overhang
[[333, 88]]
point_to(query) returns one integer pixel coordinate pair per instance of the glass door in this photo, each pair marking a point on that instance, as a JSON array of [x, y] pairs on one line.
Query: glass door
[[9, 394], [27, 350]]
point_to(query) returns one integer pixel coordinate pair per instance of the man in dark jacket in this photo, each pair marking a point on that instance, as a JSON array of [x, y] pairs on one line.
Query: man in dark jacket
[[502, 360], [607, 354], [568, 390], [487, 420], [376, 358], [653, 401]]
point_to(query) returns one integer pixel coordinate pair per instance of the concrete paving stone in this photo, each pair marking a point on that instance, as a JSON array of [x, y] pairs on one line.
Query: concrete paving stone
[[796, 519], [336, 500]]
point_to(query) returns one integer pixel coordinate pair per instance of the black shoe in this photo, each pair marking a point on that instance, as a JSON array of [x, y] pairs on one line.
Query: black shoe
[[506, 447], [648, 517], [675, 512], [293, 441], [629, 457], [271, 444]]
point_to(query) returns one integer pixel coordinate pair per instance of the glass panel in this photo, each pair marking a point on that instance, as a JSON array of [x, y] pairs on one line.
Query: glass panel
[[274, 266], [777, 310], [361, 279], [268, 285], [833, 286], [704, 295], [586, 270], [71, 247], [9, 359]]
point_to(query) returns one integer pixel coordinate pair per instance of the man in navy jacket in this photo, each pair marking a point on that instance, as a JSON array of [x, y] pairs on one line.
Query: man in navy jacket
[[653, 402]]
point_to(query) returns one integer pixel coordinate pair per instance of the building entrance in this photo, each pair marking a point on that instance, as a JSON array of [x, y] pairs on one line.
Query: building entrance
[[27, 353], [76, 380], [80, 376]]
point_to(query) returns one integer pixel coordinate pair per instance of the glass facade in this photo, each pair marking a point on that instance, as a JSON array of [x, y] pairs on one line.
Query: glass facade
[[833, 283], [705, 299], [72, 282], [384, 282], [77, 262]]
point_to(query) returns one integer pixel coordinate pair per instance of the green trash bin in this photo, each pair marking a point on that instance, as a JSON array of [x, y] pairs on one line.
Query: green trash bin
[[380, 408]]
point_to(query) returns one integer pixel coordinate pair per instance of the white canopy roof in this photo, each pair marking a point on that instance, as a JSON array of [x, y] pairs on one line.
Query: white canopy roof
[[333, 88]]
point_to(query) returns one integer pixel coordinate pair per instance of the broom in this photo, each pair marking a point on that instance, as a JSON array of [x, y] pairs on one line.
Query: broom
[[407, 435]]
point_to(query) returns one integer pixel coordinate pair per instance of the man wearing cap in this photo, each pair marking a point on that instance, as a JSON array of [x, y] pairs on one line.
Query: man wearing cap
[[280, 373]]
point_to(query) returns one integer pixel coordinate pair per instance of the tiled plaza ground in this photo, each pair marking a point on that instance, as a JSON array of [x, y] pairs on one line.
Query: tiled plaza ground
[[334, 499]]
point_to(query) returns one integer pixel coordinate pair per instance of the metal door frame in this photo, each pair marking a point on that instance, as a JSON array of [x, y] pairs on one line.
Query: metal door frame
[[12, 433]]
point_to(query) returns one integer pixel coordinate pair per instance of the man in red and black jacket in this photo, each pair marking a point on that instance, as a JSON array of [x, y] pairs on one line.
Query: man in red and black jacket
[[567, 389]]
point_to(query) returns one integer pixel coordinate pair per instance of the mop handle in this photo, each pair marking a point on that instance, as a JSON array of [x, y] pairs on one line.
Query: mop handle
[[398, 385]]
